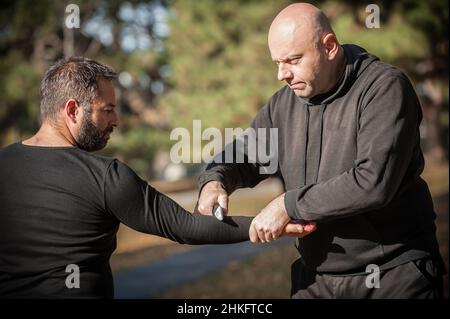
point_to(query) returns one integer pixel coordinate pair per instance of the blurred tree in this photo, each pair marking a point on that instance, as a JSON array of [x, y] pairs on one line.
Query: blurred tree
[[414, 36], [221, 68], [127, 35], [431, 17], [222, 72], [214, 65]]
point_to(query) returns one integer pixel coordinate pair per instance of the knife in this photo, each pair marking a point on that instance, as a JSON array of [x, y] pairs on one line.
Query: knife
[[218, 212]]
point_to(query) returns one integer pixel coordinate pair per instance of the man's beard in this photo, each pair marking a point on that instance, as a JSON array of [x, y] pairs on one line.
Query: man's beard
[[91, 138]]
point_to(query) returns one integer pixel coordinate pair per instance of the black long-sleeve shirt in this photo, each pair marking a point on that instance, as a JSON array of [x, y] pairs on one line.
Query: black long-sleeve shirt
[[61, 206]]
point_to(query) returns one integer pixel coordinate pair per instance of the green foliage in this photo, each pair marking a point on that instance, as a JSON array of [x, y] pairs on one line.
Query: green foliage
[[138, 147], [19, 90], [220, 67], [398, 40], [32, 38], [222, 72]]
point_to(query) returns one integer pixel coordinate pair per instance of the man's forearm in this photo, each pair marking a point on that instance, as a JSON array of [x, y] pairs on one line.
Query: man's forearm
[[231, 176]]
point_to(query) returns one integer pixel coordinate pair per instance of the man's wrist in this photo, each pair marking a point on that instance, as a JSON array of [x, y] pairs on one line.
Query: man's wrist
[[213, 184]]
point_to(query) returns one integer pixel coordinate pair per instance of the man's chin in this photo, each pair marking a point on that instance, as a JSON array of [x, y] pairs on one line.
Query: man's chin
[[100, 147], [107, 135], [94, 148], [302, 93], [305, 92]]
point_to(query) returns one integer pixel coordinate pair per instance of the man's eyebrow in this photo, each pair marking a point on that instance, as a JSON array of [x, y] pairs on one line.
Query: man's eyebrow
[[290, 57], [111, 104]]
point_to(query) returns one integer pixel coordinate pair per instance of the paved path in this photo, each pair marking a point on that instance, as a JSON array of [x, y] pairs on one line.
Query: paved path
[[150, 280]]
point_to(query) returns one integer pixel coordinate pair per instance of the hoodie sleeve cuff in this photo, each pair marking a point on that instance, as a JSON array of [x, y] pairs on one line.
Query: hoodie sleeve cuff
[[203, 180], [290, 202]]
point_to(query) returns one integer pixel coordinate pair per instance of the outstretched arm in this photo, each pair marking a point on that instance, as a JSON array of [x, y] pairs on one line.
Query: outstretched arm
[[138, 205]]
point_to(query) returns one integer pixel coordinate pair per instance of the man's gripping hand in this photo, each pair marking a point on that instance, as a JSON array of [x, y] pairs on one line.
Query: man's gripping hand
[[212, 193], [273, 221]]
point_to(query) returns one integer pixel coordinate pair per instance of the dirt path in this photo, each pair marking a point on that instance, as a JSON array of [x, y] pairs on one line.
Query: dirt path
[[182, 267], [144, 266], [152, 279]]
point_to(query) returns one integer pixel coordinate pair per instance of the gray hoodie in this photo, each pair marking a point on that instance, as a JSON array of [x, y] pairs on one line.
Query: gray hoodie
[[350, 160]]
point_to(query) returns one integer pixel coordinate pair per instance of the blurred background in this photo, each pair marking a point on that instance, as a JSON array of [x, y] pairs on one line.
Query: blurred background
[[207, 60]]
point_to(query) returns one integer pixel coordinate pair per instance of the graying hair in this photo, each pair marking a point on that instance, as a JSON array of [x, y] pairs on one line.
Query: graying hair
[[71, 78]]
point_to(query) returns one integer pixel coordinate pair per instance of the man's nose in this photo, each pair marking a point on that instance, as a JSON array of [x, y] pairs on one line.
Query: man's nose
[[115, 120], [284, 72]]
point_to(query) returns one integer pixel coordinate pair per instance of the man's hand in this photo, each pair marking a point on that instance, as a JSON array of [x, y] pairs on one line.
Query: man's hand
[[273, 221], [298, 229], [212, 193]]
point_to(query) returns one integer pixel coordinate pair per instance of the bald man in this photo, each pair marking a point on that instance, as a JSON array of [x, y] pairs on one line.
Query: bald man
[[350, 160]]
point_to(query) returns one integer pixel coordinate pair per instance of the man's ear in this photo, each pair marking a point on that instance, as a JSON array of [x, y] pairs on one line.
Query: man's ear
[[72, 110], [331, 46]]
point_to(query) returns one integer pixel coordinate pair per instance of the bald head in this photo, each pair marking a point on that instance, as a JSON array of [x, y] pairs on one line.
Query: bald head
[[302, 43], [300, 20]]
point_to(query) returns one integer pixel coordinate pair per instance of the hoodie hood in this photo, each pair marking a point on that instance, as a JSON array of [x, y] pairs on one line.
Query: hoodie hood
[[357, 60]]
